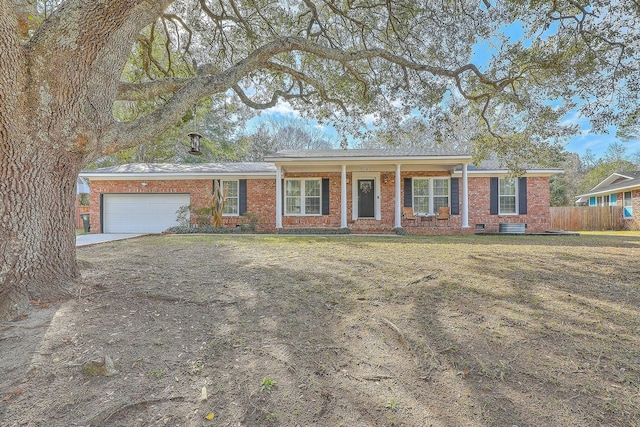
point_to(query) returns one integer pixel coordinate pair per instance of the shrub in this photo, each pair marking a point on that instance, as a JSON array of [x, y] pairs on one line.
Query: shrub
[[206, 229], [400, 231], [249, 221]]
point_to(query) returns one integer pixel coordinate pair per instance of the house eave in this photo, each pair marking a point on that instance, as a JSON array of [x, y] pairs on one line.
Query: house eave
[[158, 176], [507, 172], [605, 191]]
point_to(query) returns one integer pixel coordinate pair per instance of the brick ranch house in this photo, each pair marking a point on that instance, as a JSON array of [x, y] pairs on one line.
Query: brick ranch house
[[618, 189], [365, 190]]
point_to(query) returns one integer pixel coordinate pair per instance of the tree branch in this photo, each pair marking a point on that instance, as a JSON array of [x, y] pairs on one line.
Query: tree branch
[[188, 91]]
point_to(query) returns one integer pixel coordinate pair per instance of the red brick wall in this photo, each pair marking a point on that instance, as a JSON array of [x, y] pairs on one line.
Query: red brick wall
[[261, 196], [318, 221], [632, 223], [537, 217]]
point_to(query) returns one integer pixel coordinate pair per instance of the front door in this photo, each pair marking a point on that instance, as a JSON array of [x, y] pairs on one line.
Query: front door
[[366, 198]]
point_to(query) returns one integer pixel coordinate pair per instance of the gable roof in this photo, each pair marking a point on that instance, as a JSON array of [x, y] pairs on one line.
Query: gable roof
[[614, 183]]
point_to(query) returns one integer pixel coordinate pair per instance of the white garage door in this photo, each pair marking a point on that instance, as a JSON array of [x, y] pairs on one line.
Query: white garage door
[[141, 213]]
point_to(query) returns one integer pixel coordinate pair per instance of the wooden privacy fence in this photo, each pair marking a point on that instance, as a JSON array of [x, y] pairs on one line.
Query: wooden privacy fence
[[576, 218]]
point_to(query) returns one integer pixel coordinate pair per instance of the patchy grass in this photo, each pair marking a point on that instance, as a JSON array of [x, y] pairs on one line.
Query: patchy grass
[[358, 331]]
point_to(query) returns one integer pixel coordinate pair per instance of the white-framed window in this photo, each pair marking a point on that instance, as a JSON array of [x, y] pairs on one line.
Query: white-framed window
[[440, 193], [230, 190], [421, 195], [303, 196], [627, 205], [508, 196], [429, 194]]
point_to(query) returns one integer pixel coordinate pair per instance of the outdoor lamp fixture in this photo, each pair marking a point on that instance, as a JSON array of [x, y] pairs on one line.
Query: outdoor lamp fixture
[[195, 143]]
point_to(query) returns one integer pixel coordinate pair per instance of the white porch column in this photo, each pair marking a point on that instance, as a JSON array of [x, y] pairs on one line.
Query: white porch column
[[278, 197], [398, 216], [465, 197], [343, 197]]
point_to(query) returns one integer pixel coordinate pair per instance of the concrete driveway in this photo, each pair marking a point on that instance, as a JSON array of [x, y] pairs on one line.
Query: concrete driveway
[[93, 239]]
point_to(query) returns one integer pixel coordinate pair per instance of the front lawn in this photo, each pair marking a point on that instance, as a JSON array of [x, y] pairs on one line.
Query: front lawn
[[273, 330]]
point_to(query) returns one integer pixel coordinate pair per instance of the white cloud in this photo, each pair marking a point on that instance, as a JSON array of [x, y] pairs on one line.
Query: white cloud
[[282, 108]]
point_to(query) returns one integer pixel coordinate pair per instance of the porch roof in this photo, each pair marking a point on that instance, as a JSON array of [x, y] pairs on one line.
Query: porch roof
[[383, 159], [373, 154]]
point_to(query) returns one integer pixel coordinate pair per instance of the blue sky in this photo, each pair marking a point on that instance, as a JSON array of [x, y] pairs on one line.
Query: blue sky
[[585, 140]]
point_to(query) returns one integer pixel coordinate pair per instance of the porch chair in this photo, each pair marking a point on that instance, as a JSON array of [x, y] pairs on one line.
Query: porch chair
[[443, 215], [407, 213]]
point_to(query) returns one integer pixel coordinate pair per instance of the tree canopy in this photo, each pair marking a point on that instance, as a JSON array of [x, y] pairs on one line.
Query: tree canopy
[[68, 67], [341, 62]]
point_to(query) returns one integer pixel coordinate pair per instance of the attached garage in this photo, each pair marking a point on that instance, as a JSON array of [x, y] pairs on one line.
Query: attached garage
[[141, 213]]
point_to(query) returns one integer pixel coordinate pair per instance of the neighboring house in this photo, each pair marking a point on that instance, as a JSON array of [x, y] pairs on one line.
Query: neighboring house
[[367, 191], [618, 189]]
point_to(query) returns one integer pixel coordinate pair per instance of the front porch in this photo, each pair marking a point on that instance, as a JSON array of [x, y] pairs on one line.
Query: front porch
[[370, 193]]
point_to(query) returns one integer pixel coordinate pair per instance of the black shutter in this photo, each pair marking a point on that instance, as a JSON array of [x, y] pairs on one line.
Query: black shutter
[[455, 196], [522, 195], [242, 197], [408, 194], [325, 196], [493, 196], [213, 185], [283, 196]]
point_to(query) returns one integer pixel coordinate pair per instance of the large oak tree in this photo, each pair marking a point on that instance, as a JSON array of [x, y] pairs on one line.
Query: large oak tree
[[64, 66]]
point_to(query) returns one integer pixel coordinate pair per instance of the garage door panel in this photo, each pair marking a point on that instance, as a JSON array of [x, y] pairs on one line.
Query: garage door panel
[[141, 213]]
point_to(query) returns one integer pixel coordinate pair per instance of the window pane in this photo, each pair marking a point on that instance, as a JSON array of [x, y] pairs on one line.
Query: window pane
[[438, 202], [293, 188], [312, 188], [507, 187], [312, 205], [507, 204], [421, 205], [230, 188], [420, 187], [440, 187], [440, 193], [627, 209], [231, 206], [293, 196], [293, 206], [421, 195]]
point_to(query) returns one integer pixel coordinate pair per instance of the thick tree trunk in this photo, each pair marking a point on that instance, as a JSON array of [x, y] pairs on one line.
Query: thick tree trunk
[[37, 242], [56, 98]]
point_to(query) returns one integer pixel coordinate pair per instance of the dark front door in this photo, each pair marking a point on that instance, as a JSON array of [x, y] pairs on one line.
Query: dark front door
[[366, 198]]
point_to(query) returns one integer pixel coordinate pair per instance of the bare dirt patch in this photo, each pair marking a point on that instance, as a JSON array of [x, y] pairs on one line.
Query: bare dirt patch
[[335, 331]]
